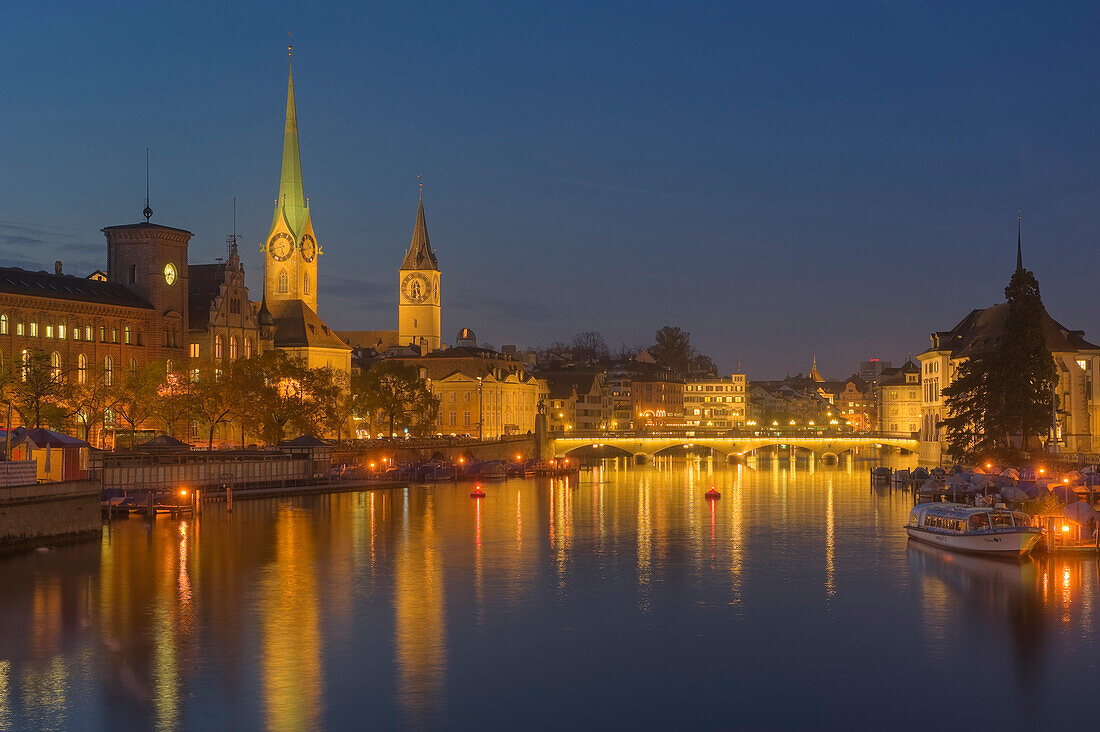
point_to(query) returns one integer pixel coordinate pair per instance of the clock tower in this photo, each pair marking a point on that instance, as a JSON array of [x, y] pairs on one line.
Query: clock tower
[[291, 249], [419, 312], [289, 307]]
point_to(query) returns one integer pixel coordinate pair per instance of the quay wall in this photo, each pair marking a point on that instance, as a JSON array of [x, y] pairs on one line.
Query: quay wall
[[31, 514], [505, 448], [203, 470]]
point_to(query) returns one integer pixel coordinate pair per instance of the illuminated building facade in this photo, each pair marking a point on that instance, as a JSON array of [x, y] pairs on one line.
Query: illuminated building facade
[[482, 393], [577, 400], [657, 400], [899, 398], [719, 403]]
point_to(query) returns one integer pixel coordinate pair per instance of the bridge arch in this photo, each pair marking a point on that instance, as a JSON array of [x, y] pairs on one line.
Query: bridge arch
[[733, 447]]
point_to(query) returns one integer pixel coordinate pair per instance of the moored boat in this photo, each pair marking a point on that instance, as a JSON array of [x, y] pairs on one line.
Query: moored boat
[[975, 529]]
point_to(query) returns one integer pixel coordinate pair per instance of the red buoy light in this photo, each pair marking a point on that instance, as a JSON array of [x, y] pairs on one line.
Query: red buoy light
[[477, 492], [713, 495]]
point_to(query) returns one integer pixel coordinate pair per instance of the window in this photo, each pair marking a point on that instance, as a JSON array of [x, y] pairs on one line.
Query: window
[[55, 365], [61, 331], [108, 371], [102, 334], [194, 376], [194, 350], [305, 283], [133, 273], [19, 329], [3, 324], [232, 348], [49, 331], [114, 335], [451, 419], [126, 335], [284, 283], [133, 365], [217, 375], [34, 330], [168, 366], [218, 347], [82, 369], [87, 332], [1083, 364], [466, 419], [248, 348]]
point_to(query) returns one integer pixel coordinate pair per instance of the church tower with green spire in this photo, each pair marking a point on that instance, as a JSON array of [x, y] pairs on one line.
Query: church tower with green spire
[[290, 266], [291, 250]]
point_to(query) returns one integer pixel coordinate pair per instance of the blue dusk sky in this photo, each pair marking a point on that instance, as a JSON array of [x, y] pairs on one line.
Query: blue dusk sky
[[777, 178]]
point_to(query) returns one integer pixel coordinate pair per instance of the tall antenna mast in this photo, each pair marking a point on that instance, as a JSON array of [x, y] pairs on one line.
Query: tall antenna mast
[[231, 240], [148, 212]]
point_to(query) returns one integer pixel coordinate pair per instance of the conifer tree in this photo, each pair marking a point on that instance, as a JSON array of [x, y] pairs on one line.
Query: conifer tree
[[1002, 398]]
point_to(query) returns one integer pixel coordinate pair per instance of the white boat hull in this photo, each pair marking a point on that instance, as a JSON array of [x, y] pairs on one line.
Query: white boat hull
[[1007, 544]]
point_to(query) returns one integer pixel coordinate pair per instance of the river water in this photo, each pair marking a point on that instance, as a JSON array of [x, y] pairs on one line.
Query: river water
[[619, 599]]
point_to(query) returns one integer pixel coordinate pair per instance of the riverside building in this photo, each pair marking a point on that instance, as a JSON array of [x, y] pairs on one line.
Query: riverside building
[[1076, 398]]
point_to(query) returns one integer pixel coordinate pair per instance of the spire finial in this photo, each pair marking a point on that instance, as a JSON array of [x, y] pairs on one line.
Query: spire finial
[[148, 212], [420, 182], [289, 45], [1019, 247]]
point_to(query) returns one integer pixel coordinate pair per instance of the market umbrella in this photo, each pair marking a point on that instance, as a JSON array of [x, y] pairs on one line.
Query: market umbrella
[[1011, 473], [1080, 512]]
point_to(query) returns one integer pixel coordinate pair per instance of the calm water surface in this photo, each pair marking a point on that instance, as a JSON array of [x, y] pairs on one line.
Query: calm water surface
[[619, 599]]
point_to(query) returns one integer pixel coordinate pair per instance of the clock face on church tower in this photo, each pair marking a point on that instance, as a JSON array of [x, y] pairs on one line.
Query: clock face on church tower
[[280, 246], [416, 288], [309, 248]]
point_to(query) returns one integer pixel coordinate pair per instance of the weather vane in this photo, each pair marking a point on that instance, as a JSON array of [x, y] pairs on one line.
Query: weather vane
[[420, 183], [289, 45]]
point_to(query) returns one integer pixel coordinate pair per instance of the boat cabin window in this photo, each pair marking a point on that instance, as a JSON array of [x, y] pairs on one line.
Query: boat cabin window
[[1022, 519], [978, 522], [942, 522], [1001, 520]]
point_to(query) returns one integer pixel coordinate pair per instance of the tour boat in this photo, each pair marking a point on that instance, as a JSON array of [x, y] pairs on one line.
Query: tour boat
[[976, 529]]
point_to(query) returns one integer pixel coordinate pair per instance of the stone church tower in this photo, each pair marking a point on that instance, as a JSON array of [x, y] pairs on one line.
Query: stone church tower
[[288, 311], [291, 250], [419, 319]]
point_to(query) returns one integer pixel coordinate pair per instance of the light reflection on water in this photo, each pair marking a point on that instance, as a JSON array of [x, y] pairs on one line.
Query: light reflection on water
[[621, 598]]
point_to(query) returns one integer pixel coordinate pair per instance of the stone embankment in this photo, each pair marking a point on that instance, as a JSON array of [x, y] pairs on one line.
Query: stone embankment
[[54, 512]]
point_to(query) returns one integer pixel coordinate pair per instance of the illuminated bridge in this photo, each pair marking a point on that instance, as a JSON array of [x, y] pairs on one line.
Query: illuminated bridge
[[642, 447]]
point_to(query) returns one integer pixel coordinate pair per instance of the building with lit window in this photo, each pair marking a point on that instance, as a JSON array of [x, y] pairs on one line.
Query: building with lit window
[[96, 330], [577, 400], [716, 403], [657, 400], [899, 398], [482, 393]]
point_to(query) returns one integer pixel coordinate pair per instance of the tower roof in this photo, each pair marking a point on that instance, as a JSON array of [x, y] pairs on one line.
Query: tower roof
[[292, 198], [815, 375], [1019, 246], [420, 254]]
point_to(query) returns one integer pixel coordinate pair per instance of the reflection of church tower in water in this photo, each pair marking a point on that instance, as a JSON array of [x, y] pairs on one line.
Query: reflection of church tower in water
[[420, 312]]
